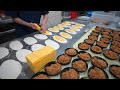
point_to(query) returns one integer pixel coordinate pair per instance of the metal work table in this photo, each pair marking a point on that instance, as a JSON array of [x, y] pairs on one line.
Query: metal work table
[[26, 72]]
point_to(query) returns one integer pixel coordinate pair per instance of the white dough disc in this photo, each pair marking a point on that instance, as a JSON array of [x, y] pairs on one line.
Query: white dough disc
[[30, 40], [3, 52], [36, 47], [40, 36], [16, 45], [52, 43], [20, 54], [10, 69], [78, 30]]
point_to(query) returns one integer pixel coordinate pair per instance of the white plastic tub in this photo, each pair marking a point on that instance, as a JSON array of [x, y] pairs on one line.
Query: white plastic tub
[[109, 17]]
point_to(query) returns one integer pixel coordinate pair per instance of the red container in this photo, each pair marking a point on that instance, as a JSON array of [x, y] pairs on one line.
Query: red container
[[73, 14]]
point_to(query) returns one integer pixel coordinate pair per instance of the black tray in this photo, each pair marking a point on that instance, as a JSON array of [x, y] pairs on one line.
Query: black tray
[[111, 72], [84, 52], [71, 55], [107, 77], [79, 60], [48, 64], [100, 59], [62, 63], [67, 68]]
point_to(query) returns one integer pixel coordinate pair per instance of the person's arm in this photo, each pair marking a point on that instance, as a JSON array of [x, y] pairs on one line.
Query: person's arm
[[44, 21], [22, 22], [15, 17]]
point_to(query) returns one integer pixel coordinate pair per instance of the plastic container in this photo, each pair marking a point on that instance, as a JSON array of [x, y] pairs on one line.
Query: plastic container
[[109, 17]]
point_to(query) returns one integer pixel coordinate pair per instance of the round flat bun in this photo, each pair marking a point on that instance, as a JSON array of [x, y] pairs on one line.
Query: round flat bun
[[10, 69], [36, 47], [52, 43], [40, 36], [20, 54], [3, 52], [30, 40], [16, 45]]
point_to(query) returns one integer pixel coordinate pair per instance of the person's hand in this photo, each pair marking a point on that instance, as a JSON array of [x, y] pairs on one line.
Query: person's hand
[[42, 31], [32, 25], [43, 28]]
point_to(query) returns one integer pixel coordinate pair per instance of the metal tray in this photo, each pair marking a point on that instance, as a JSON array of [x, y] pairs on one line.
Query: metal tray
[[110, 62]]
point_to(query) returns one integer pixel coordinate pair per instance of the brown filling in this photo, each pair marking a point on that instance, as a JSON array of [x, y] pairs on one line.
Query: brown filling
[[101, 43], [105, 40], [88, 41], [115, 70], [53, 69], [105, 33], [116, 43], [70, 74], [96, 73], [107, 30], [84, 46], [84, 56], [41, 76], [94, 34], [111, 54], [63, 59], [106, 36], [98, 62], [96, 49], [115, 48], [96, 31], [71, 51], [79, 65], [92, 37]]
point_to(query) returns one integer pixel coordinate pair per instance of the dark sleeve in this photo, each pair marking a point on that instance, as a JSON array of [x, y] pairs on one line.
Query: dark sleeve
[[44, 12], [13, 14]]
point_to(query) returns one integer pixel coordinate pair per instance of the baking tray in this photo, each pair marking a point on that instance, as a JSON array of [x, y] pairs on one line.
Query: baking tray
[[109, 61]]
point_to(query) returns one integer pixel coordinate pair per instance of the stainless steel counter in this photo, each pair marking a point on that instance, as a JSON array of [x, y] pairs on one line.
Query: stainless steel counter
[[26, 71]]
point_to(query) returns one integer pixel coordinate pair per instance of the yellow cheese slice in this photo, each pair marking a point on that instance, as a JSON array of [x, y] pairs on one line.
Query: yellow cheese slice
[[60, 25], [59, 39], [70, 31], [53, 30], [65, 35], [47, 33]]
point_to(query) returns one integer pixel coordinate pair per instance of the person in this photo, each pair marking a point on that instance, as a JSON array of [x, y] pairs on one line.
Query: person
[[25, 21]]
